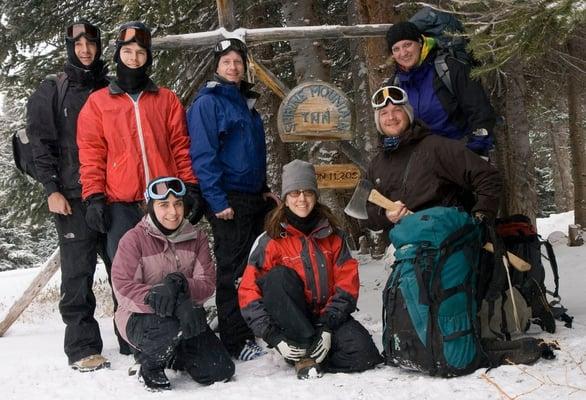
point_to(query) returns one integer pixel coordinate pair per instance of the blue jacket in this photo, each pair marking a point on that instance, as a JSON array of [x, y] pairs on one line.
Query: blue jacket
[[228, 148], [451, 115]]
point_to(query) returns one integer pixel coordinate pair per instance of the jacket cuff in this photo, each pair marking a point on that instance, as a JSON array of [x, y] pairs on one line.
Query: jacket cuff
[[51, 187]]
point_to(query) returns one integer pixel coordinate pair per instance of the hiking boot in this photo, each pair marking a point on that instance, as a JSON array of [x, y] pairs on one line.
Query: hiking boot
[[90, 363], [250, 351], [307, 368], [154, 379]]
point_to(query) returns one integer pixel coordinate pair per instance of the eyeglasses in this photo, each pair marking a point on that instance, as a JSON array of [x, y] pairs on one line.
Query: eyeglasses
[[226, 44], [159, 189], [140, 36], [89, 31], [305, 192], [394, 94]]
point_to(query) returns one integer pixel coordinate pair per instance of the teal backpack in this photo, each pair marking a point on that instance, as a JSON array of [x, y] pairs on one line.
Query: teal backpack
[[429, 305]]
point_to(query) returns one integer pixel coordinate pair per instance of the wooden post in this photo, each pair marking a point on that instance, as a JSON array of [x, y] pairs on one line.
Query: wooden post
[[226, 14], [575, 235], [268, 78], [47, 271]]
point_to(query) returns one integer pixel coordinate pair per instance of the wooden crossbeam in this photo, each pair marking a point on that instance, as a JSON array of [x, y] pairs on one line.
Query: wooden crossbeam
[[266, 35]]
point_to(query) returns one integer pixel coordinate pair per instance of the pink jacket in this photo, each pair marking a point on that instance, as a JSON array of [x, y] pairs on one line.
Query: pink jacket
[[145, 256]]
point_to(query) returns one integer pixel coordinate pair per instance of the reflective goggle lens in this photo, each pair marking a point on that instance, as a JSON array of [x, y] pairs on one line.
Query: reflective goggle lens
[[225, 44], [394, 94], [141, 36], [161, 188], [76, 30]]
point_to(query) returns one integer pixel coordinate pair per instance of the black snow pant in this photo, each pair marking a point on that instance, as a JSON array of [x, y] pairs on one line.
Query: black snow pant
[[283, 297], [158, 343], [79, 247], [233, 240], [123, 217]]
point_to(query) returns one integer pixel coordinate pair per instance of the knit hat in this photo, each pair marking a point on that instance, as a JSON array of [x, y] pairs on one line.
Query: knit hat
[[408, 108], [224, 46], [403, 31], [298, 175], [141, 27]]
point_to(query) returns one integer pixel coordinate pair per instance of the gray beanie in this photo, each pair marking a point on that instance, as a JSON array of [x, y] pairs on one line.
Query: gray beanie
[[298, 175], [408, 108]]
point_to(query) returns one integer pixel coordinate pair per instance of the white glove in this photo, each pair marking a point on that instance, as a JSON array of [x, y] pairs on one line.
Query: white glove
[[290, 352], [320, 351]]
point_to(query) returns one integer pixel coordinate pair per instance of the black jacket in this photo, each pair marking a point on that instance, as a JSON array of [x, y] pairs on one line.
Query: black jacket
[[429, 170], [52, 132]]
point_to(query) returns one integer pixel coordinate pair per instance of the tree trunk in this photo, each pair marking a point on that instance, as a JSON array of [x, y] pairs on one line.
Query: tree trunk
[[268, 104], [517, 164], [560, 164], [577, 115]]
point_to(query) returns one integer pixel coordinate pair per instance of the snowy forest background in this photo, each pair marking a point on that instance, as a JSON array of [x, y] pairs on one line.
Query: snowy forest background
[[533, 66]]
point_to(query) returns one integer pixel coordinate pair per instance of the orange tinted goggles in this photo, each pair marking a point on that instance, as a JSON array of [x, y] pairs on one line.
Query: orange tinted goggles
[[139, 35], [76, 30]]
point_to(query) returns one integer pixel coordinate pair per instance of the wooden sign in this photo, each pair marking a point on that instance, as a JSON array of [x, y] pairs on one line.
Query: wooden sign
[[315, 111], [337, 176]]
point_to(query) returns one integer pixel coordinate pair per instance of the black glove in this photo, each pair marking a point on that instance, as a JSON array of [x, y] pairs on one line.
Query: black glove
[[163, 296], [192, 317], [331, 320], [193, 203], [96, 215]]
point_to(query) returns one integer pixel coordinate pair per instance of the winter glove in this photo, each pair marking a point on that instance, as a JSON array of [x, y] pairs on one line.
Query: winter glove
[[321, 348], [163, 296], [290, 352], [192, 317], [194, 203], [96, 215], [332, 319]]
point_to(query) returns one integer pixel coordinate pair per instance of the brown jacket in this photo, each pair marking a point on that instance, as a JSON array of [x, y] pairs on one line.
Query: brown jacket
[[429, 170]]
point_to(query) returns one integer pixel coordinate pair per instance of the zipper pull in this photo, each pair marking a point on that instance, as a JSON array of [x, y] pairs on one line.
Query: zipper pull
[[65, 112]]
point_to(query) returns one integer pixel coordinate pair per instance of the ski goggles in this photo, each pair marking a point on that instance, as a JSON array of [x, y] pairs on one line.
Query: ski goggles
[[161, 188], [74, 31], [223, 45], [386, 94], [138, 34]]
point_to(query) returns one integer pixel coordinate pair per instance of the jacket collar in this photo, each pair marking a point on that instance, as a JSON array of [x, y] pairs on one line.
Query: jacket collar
[[321, 231], [115, 89]]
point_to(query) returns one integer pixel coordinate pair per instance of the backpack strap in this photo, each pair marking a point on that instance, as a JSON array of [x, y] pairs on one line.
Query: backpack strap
[[61, 84], [554, 266], [443, 72]]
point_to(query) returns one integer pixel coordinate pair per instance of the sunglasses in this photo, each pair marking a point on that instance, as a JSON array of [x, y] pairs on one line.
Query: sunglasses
[[226, 44], [297, 193], [386, 94], [89, 31], [161, 188], [139, 35]]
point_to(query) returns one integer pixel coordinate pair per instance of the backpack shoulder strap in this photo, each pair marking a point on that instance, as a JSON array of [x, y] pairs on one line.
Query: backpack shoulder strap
[[61, 83], [442, 70], [554, 265]]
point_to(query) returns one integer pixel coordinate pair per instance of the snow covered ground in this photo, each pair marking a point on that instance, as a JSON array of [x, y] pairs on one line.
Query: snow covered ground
[[33, 365]]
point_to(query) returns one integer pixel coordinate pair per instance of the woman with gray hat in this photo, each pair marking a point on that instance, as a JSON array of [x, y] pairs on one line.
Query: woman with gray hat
[[301, 284]]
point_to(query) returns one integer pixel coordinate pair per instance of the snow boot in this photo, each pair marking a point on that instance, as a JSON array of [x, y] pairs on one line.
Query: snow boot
[[307, 368], [154, 379], [91, 363]]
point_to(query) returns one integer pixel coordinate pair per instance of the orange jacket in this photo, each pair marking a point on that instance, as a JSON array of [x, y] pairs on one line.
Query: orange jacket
[[124, 144], [331, 287]]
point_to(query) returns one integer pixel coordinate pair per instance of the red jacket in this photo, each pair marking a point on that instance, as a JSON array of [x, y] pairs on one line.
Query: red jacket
[[331, 288], [124, 144]]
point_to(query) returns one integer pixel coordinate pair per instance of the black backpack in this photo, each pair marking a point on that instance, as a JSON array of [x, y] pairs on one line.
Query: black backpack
[[21, 146], [447, 30], [519, 236]]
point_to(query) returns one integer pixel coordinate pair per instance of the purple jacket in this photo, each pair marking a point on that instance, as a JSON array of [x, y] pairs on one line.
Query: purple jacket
[[145, 256]]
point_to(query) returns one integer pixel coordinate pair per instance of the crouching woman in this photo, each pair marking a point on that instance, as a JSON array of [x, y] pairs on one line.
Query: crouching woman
[[301, 284], [161, 275]]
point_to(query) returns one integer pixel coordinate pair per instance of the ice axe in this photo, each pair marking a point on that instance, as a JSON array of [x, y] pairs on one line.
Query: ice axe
[[365, 192]]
